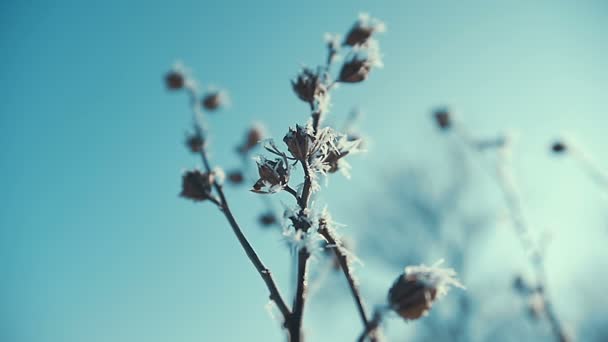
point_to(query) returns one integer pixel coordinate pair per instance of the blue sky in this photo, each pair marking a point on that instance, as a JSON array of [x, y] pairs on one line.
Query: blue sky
[[95, 245]]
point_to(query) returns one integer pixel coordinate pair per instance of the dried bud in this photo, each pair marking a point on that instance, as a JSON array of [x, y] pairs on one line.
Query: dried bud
[[267, 219], [195, 142], [236, 177], [442, 118], [308, 85], [213, 100], [355, 70], [363, 29], [358, 35], [197, 185], [520, 285], [299, 142], [414, 292], [252, 137], [558, 147], [174, 80], [274, 175]]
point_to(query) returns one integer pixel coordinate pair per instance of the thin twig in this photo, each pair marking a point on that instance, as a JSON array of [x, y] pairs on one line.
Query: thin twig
[[275, 294], [292, 192], [295, 326], [344, 265], [506, 185]]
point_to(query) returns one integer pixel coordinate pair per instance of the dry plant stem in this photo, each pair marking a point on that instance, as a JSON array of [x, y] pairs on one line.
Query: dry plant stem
[[371, 328], [264, 272], [343, 261], [295, 324], [513, 203]]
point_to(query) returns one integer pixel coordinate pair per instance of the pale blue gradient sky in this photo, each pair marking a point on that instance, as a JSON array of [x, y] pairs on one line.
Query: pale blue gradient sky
[[95, 245]]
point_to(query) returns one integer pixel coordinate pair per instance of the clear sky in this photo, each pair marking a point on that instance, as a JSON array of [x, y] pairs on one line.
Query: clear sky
[[95, 245]]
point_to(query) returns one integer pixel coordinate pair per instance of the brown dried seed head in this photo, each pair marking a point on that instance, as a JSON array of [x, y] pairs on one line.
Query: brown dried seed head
[[196, 185], [355, 71], [273, 173], [195, 143], [212, 100], [252, 137], [558, 147], [267, 219], [442, 118], [358, 35], [174, 80], [299, 142], [308, 85], [411, 298], [236, 177]]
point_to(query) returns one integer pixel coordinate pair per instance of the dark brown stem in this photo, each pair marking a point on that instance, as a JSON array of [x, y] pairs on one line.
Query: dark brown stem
[[275, 294], [295, 324], [343, 261], [371, 329], [292, 192]]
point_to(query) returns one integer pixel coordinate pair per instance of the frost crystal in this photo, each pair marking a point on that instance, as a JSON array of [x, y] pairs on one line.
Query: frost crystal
[[436, 277]]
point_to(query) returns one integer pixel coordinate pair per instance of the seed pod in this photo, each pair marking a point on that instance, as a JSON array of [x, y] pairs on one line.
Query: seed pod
[[411, 298], [195, 143], [442, 118], [174, 80], [558, 147], [267, 219], [308, 85], [355, 70], [236, 177], [252, 137], [213, 100], [196, 185], [274, 176], [363, 29], [414, 292], [299, 142]]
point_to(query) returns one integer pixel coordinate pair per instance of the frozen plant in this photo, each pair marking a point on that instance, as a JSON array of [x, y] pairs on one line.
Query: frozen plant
[[318, 151]]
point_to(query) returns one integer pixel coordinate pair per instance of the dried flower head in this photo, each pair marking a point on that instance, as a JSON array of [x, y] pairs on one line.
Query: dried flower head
[[252, 137], [175, 80], [443, 118], [363, 29], [267, 219], [355, 70], [308, 85], [300, 141], [558, 147], [236, 177], [274, 175], [196, 185], [414, 292], [520, 285], [213, 100], [195, 142]]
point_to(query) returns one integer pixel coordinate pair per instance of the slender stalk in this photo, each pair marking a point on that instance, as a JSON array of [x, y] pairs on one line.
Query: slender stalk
[[344, 265], [371, 328], [275, 294], [295, 326], [292, 192], [506, 185]]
